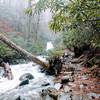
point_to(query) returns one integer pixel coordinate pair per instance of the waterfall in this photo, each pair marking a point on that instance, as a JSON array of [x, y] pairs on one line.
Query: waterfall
[[49, 46]]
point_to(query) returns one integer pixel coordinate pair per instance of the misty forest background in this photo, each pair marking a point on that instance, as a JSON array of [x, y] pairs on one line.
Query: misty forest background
[[31, 24], [30, 32]]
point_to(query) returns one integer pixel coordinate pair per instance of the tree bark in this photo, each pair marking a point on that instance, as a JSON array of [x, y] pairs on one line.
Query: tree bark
[[21, 50]]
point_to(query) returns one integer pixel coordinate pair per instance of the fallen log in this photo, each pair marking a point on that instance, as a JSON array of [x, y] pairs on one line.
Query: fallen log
[[24, 52]]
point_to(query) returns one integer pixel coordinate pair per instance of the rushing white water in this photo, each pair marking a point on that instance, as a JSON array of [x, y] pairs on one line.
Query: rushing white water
[[49, 46], [10, 89], [20, 69]]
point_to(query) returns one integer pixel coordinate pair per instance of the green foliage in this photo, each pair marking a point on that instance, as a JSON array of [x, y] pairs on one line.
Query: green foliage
[[4, 51], [96, 41], [58, 42], [75, 37], [55, 52], [35, 48], [28, 11], [79, 20], [7, 54]]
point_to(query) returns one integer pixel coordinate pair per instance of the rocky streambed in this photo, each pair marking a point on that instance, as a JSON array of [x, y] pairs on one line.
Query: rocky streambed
[[27, 83], [30, 83]]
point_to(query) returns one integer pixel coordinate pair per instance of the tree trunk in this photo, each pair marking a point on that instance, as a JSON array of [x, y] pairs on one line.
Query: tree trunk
[[21, 50]]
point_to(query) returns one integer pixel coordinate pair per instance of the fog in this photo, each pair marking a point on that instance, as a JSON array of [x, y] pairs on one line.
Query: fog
[[14, 19]]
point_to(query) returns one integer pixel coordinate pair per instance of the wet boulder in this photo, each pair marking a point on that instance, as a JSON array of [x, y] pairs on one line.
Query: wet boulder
[[65, 81], [45, 84], [44, 92], [18, 98], [26, 76], [25, 82], [52, 92]]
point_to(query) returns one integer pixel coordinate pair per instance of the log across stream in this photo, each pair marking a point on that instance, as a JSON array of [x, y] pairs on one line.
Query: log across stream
[[53, 65], [42, 84], [24, 52]]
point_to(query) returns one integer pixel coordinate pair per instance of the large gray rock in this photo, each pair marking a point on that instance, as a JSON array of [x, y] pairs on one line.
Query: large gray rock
[[25, 82], [26, 76]]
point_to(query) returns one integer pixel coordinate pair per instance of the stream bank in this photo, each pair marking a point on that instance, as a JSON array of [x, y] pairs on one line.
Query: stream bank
[[69, 84]]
